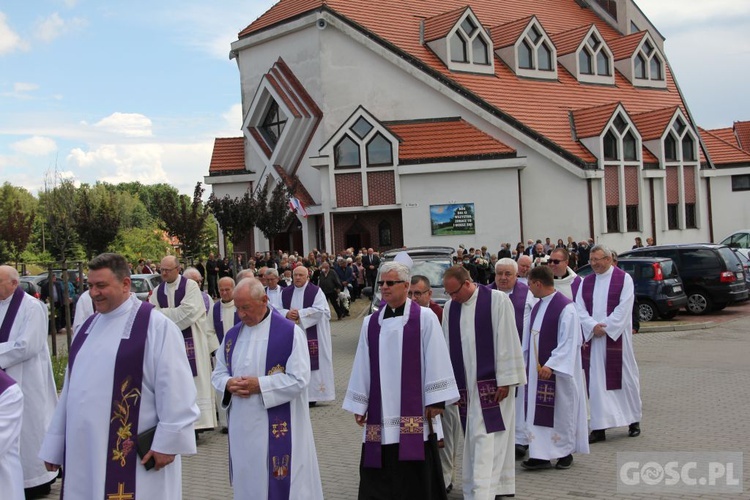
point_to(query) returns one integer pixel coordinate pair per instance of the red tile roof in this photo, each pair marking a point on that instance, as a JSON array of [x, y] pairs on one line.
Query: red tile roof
[[444, 139], [723, 153], [623, 47], [540, 108], [649, 158], [726, 135], [568, 41], [742, 129], [652, 124], [300, 192], [438, 26], [507, 34], [590, 122], [228, 156]]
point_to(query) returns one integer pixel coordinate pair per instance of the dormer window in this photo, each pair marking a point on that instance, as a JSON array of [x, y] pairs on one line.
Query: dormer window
[[460, 41], [593, 59], [366, 143], [680, 135], [379, 151], [648, 64], [346, 153], [621, 145], [273, 124], [584, 53], [681, 182], [534, 52]]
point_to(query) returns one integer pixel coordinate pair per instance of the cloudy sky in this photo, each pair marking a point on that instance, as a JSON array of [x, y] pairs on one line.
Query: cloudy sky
[[137, 90]]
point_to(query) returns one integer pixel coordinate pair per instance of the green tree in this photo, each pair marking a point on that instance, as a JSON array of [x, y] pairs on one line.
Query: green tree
[[58, 204], [17, 213], [151, 196], [274, 215], [97, 218], [185, 219], [236, 216], [141, 243]]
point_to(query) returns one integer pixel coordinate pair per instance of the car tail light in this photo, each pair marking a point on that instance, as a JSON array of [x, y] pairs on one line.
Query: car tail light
[[37, 295], [728, 277], [658, 274]]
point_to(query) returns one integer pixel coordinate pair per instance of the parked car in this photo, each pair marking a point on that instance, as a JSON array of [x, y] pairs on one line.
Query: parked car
[[143, 285], [658, 287], [431, 262], [739, 240], [745, 261], [30, 285], [711, 274]]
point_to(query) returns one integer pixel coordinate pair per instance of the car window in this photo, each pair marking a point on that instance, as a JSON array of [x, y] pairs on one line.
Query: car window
[[668, 269], [699, 260], [138, 286], [628, 267], [432, 269], [155, 281], [730, 258], [741, 240], [647, 271]]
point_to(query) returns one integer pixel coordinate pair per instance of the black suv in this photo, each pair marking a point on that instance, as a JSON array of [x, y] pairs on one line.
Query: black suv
[[712, 275], [657, 284]]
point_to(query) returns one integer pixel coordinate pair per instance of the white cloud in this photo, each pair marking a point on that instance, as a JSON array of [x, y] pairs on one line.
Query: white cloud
[[24, 87], [9, 39], [127, 124], [55, 26], [683, 15], [117, 163], [35, 146]]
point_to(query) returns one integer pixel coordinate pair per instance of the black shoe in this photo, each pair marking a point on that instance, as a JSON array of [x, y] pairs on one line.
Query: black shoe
[[536, 464], [312, 403], [597, 436], [39, 491], [564, 462], [521, 451], [634, 429], [225, 430], [449, 488]]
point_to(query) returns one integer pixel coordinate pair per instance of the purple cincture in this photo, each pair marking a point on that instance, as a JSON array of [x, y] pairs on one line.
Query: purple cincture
[[312, 332], [485, 356], [187, 333], [411, 426]]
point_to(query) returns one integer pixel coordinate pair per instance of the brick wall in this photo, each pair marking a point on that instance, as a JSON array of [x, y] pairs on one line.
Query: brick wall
[[367, 225], [381, 188], [348, 190]]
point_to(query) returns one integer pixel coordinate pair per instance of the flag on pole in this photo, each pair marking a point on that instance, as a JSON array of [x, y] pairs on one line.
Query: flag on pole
[[297, 207]]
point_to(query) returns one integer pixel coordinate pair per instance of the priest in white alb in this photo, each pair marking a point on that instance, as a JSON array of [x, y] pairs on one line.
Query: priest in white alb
[[221, 317], [180, 300], [273, 288], [24, 355], [262, 371], [128, 401], [480, 329], [605, 307], [306, 305], [555, 410], [11, 413], [401, 382]]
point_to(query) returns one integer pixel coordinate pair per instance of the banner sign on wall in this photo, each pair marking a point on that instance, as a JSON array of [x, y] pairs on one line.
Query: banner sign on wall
[[456, 218]]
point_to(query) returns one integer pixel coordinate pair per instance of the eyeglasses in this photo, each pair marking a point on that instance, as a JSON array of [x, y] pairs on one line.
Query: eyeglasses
[[167, 269], [555, 261], [417, 293], [390, 282], [451, 294], [594, 260]]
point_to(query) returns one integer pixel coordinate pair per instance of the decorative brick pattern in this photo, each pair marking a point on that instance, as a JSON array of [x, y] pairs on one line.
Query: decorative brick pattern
[[612, 185], [381, 188], [689, 184], [348, 190], [673, 187], [631, 185]]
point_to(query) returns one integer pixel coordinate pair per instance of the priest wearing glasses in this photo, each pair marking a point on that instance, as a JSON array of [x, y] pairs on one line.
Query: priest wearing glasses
[[400, 382]]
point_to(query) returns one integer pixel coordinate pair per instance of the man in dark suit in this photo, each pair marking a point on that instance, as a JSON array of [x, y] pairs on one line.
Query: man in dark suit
[[371, 262], [57, 300]]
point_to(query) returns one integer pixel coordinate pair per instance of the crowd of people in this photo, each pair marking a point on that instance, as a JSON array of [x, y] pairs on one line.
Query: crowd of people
[[512, 362]]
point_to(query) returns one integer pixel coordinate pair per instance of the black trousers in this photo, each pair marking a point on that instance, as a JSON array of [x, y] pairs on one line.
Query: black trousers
[[408, 480], [333, 298]]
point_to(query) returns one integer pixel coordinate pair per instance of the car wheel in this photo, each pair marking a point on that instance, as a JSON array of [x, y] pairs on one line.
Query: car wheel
[[669, 314], [698, 303], [646, 311]]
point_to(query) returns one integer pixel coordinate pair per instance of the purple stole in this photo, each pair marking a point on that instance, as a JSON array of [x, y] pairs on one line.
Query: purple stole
[[10, 314], [206, 301], [485, 356], [281, 341], [187, 333], [575, 285], [518, 299], [411, 427], [613, 357], [219, 324], [544, 414], [5, 381], [126, 402], [312, 333]]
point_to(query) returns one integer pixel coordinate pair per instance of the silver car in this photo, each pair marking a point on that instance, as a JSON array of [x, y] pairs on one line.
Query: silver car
[[143, 285]]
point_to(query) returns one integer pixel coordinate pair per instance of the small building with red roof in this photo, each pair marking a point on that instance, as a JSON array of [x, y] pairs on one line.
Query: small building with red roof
[[545, 118]]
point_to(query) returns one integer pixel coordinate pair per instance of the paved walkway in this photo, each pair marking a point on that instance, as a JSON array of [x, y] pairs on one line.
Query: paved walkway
[[694, 399]]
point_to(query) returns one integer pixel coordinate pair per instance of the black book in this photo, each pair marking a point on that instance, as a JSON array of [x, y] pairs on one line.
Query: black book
[[145, 440]]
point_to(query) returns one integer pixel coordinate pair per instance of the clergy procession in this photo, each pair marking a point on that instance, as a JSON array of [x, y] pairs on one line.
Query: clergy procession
[[530, 370]]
